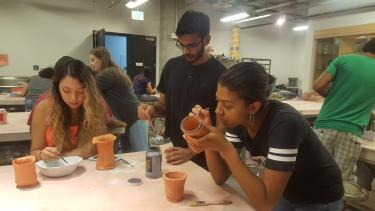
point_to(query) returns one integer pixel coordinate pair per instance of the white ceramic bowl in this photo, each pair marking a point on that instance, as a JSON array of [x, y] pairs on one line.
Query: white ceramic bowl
[[58, 168]]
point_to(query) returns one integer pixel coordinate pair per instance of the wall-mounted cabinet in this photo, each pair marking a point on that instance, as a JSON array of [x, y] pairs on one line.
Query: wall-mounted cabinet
[[331, 43], [326, 50]]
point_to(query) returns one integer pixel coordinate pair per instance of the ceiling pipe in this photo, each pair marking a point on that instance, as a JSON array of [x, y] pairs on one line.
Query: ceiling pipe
[[279, 6]]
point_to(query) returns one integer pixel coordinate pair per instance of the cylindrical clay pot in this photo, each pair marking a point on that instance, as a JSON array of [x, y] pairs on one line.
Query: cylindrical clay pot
[[25, 173], [106, 156]]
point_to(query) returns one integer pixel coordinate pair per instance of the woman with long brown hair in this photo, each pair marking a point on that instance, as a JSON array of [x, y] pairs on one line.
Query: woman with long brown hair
[[117, 90], [66, 120]]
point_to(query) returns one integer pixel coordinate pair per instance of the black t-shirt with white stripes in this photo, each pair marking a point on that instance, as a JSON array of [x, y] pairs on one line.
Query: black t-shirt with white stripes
[[288, 143]]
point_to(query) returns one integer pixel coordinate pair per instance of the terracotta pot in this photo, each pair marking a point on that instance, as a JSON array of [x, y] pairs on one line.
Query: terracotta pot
[[174, 183], [106, 156], [193, 126], [25, 173]]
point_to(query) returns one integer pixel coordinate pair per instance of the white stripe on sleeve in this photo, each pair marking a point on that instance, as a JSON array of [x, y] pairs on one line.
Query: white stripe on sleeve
[[280, 158], [231, 137], [283, 151]]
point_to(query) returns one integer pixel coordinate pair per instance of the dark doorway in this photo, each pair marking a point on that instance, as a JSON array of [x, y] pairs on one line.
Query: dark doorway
[[98, 38], [139, 50]]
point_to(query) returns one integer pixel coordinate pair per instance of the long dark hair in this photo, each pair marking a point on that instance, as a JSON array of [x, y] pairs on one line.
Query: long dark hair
[[92, 115], [104, 56], [47, 72], [249, 81]]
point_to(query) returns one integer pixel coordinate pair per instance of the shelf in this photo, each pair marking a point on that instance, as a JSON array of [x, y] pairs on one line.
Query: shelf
[[266, 63]]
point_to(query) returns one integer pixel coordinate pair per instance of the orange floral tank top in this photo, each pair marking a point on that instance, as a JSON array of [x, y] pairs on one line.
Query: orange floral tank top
[[73, 134]]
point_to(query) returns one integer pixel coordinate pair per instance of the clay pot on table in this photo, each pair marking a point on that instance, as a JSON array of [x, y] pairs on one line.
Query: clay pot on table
[[25, 173], [174, 184], [106, 156]]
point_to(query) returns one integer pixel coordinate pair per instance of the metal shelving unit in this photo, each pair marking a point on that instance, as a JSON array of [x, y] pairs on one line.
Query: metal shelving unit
[[266, 63]]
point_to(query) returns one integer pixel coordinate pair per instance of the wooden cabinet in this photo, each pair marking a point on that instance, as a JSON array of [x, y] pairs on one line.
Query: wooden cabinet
[[327, 49], [331, 43]]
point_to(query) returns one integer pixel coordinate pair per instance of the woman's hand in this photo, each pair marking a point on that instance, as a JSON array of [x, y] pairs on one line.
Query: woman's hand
[[49, 153], [203, 114], [145, 111], [214, 141]]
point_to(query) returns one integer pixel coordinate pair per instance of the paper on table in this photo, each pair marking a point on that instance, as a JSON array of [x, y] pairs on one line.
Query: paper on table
[[164, 147]]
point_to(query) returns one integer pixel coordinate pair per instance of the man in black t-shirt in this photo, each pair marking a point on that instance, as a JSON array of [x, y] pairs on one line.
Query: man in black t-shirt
[[186, 80]]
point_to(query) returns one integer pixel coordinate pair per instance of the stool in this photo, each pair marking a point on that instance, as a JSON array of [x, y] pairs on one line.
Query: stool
[[367, 204]]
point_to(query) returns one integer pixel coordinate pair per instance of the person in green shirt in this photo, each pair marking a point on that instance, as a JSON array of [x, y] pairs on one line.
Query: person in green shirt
[[348, 86]]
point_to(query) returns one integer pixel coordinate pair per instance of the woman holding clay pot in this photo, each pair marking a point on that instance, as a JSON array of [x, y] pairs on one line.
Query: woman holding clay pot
[[298, 172]]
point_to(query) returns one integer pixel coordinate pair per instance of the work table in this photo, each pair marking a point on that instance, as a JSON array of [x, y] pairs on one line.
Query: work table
[[307, 109], [91, 189]]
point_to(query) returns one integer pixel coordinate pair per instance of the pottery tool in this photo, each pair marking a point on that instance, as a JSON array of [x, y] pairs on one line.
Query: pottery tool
[[62, 158], [206, 203], [125, 161], [197, 109]]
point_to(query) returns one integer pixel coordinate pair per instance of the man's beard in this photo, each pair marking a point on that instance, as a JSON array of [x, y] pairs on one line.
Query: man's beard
[[199, 54]]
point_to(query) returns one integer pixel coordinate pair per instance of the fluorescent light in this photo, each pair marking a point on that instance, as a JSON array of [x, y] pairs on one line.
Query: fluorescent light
[[254, 18], [300, 28], [136, 3], [280, 21], [234, 17]]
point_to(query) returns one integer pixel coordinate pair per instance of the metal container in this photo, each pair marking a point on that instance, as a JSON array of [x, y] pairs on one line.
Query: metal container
[[153, 163], [9, 82]]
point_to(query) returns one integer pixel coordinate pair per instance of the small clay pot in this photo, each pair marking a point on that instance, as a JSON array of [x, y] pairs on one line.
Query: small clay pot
[[193, 126], [174, 183], [106, 156], [25, 173]]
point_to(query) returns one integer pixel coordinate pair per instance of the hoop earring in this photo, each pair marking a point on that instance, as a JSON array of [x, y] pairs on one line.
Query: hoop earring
[[251, 119]]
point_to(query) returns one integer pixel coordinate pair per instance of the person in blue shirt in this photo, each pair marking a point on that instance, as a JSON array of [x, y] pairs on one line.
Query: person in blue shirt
[[143, 87]]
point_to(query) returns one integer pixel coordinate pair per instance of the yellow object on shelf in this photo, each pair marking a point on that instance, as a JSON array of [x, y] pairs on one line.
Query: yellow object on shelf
[[235, 44]]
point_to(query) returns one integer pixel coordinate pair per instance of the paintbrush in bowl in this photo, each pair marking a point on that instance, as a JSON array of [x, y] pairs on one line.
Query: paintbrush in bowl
[[62, 158], [206, 203]]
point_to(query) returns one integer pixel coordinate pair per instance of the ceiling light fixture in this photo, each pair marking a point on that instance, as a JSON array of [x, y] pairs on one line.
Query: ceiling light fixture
[[136, 3], [234, 17], [254, 18], [300, 28], [280, 21]]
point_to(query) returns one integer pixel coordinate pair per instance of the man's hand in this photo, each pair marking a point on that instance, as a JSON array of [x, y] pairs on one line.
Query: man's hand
[[178, 155], [145, 111], [322, 84]]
